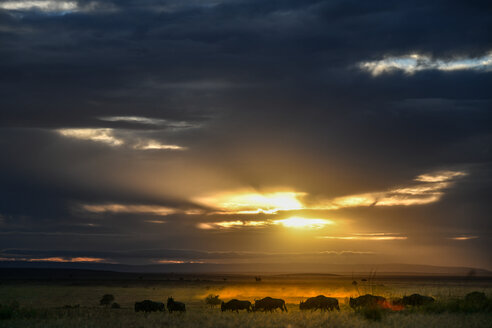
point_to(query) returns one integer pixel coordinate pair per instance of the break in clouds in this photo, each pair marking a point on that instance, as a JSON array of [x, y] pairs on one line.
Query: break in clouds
[[192, 131]]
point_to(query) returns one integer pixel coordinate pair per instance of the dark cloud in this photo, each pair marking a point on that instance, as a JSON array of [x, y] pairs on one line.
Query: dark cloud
[[261, 95]]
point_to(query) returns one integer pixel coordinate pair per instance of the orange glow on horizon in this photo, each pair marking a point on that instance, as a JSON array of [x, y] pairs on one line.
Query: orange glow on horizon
[[67, 260]]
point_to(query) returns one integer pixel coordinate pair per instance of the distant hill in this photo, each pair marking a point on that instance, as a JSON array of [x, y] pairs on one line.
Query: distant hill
[[315, 268]]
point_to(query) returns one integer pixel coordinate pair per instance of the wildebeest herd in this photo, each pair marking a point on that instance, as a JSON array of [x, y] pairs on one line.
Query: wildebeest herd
[[269, 304], [151, 306]]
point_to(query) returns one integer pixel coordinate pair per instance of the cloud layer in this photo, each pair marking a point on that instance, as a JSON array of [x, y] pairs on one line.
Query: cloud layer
[[128, 125]]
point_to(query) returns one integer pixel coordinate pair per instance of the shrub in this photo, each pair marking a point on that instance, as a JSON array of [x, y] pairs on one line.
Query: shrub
[[115, 306], [106, 299], [213, 300]]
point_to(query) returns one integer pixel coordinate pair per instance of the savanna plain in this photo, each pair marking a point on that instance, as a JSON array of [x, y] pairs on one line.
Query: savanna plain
[[74, 300]]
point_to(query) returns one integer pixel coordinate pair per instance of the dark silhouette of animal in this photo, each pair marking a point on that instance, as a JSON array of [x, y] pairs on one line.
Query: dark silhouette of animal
[[320, 302], [365, 301], [269, 304], [173, 306], [236, 305], [416, 300], [476, 298], [149, 306]]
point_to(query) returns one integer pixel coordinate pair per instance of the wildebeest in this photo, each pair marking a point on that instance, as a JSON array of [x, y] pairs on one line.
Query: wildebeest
[[173, 306], [367, 300], [320, 302], [416, 300], [149, 306], [236, 305], [269, 304]]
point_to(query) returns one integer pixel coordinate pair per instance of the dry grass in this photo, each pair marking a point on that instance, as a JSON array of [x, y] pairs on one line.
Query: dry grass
[[95, 317], [42, 305]]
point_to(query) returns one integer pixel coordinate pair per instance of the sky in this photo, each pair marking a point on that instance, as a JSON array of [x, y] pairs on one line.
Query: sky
[[256, 132]]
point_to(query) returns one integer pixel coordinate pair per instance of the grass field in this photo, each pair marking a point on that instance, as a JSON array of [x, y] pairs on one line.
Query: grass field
[[41, 303]]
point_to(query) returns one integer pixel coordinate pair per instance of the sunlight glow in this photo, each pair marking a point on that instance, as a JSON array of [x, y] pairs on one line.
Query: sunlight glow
[[299, 222], [426, 188], [292, 222], [254, 203]]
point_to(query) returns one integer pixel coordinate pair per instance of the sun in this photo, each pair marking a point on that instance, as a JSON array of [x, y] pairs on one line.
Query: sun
[[300, 222], [254, 202]]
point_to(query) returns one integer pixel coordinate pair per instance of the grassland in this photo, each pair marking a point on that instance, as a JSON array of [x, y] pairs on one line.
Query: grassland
[[43, 303]]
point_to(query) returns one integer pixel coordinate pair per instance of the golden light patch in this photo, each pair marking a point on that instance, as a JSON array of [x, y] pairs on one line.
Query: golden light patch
[[291, 294]]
